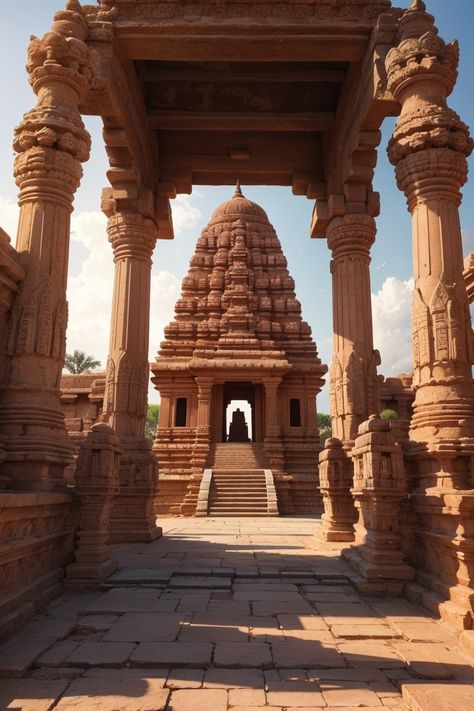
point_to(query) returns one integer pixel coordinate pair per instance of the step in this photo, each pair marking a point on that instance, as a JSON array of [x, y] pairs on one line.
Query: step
[[231, 505], [230, 500]]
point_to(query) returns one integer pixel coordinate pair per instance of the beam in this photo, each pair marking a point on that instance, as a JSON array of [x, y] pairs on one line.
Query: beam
[[119, 100], [242, 121], [283, 76], [188, 46], [363, 105]]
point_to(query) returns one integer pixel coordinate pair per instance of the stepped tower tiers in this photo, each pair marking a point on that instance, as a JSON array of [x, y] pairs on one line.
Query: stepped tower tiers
[[238, 335]]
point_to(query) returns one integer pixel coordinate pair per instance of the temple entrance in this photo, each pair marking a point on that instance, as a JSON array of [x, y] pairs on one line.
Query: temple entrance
[[238, 420], [242, 412]]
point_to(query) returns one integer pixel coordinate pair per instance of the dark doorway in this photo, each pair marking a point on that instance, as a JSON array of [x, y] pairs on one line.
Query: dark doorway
[[239, 396]]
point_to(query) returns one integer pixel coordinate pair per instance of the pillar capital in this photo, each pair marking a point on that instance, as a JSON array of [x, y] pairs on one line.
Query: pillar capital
[[351, 234], [131, 235], [421, 73], [51, 141]]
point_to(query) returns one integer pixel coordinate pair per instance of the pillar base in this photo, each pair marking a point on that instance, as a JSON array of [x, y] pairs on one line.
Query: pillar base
[[132, 519], [335, 534], [83, 572], [377, 578]]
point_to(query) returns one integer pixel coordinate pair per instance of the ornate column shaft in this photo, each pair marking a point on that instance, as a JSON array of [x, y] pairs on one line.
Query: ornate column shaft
[[51, 142], [201, 445], [353, 373], [272, 425], [133, 238], [429, 149], [273, 445]]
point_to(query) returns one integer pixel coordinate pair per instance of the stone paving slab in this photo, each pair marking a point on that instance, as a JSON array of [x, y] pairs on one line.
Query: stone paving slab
[[422, 696], [102, 654], [112, 694], [233, 678], [191, 654], [146, 627], [120, 600], [30, 694], [242, 654], [349, 693], [295, 693], [199, 700], [305, 653], [136, 576], [185, 581]]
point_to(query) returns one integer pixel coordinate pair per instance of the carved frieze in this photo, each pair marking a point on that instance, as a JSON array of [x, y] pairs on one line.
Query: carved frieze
[[257, 10]]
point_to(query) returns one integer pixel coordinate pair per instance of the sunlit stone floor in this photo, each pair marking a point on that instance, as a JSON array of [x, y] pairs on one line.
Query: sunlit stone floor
[[233, 614]]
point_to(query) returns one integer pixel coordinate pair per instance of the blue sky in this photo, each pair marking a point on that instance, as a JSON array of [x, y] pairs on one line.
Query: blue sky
[[91, 261]]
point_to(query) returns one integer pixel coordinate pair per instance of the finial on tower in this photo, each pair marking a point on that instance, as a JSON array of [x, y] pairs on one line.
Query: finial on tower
[[237, 191], [74, 6], [418, 5]]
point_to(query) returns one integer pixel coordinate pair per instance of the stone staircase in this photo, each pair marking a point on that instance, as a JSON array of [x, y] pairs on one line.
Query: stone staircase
[[241, 483], [238, 493], [237, 455]]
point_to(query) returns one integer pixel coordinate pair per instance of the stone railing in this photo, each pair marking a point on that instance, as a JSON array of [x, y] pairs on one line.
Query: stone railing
[[204, 491], [272, 498]]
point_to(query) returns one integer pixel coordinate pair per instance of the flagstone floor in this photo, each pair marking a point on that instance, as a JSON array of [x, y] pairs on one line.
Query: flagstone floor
[[233, 614]]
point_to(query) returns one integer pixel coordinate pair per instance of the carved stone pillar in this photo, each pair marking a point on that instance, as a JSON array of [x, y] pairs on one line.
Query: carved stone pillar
[[97, 480], [273, 445], [379, 488], [353, 373], [201, 446], [133, 239], [51, 142], [335, 481], [429, 149]]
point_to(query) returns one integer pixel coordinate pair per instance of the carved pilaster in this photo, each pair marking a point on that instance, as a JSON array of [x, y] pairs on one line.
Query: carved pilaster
[[97, 480], [201, 445], [51, 143], [335, 481], [353, 372], [133, 239], [378, 489], [429, 149]]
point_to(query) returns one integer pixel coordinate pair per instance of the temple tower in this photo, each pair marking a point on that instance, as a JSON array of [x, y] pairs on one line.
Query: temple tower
[[238, 335]]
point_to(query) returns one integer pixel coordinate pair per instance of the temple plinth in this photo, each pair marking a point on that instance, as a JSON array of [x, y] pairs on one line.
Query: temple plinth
[[238, 334]]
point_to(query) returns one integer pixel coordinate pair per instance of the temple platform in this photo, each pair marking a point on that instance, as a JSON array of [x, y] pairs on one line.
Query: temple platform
[[238, 614]]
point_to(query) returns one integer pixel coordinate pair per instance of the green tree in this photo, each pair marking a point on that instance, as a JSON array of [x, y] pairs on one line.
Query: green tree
[[324, 424], [389, 414], [152, 421], [79, 362]]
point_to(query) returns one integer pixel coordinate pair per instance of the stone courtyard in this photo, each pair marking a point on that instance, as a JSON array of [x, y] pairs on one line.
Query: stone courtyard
[[228, 613]]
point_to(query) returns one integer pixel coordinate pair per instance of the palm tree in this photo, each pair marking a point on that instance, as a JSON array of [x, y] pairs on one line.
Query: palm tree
[[79, 362]]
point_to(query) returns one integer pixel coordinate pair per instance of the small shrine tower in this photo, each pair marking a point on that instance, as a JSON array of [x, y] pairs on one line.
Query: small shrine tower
[[238, 335]]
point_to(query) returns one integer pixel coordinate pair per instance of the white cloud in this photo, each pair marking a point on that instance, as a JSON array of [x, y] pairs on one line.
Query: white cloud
[[391, 309], [185, 214], [90, 293], [9, 212]]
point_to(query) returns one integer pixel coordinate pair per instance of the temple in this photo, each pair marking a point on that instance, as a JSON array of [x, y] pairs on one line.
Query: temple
[[198, 92], [238, 335]]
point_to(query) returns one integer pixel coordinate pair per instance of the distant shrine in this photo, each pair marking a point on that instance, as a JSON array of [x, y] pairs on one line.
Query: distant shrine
[[238, 335]]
